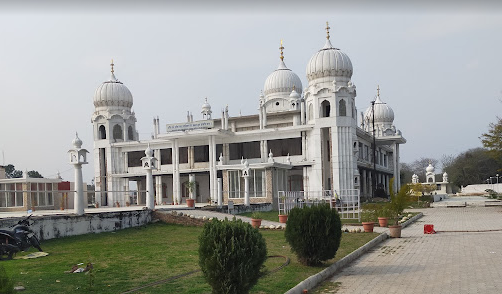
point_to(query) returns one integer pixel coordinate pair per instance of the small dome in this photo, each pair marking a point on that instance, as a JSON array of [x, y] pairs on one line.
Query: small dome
[[383, 112], [206, 106], [77, 143], [445, 174], [148, 151], [329, 62], [294, 95], [429, 169], [282, 80], [112, 93]]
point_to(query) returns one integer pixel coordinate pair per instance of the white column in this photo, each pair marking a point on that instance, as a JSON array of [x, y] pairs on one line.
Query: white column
[[79, 191], [158, 188], [397, 168], [193, 192], [150, 204], [394, 163], [176, 173], [246, 190], [212, 165], [364, 182], [220, 192]]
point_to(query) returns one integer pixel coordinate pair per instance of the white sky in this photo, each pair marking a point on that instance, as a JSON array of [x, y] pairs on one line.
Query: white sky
[[437, 67]]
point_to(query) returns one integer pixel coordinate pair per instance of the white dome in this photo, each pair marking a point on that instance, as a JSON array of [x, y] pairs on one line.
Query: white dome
[[206, 106], [77, 143], [429, 168], [329, 62], [294, 95], [282, 80], [112, 93], [383, 112]]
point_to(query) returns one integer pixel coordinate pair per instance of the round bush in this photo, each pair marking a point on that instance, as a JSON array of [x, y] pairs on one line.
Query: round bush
[[231, 255], [314, 233]]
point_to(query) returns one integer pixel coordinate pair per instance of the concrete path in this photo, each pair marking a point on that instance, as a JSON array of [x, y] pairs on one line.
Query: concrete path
[[221, 216], [458, 201], [446, 262]]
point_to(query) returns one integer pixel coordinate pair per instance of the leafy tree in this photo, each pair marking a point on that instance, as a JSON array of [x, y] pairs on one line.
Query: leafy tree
[[492, 140], [473, 166], [406, 173], [34, 174], [314, 233], [12, 172], [231, 255]]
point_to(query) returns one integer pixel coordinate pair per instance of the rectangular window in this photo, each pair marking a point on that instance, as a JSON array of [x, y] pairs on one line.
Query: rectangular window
[[183, 154], [257, 183], [134, 158], [41, 195], [166, 156], [283, 147], [360, 155], [234, 184], [219, 150], [3, 202], [201, 153], [50, 199], [244, 150]]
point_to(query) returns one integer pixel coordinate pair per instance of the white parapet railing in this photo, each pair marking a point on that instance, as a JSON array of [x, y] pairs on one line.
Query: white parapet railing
[[346, 202]]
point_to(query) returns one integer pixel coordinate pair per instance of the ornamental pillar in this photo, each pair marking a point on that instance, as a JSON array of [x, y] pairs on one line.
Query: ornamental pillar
[[77, 158]]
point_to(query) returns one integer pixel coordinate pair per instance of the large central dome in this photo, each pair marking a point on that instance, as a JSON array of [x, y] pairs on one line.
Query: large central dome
[[329, 62], [112, 93]]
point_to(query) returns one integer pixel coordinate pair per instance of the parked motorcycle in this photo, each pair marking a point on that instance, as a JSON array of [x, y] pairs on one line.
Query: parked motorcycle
[[21, 238]]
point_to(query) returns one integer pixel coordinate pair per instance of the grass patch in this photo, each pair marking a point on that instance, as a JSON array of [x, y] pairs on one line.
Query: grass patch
[[272, 215], [133, 257]]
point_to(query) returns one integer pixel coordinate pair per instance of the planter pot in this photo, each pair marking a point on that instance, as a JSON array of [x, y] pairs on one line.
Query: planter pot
[[283, 218], [368, 227], [395, 231], [256, 223], [191, 202], [383, 221]]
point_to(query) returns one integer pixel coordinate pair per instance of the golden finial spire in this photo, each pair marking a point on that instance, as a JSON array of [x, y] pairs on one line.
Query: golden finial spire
[[282, 48], [111, 64], [378, 91], [327, 30]]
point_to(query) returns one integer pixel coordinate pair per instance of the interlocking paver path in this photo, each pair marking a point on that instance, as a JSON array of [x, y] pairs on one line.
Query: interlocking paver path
[[446, 262]]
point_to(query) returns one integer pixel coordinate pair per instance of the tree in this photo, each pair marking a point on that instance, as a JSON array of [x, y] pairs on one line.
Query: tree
[[473, 166], [12, 172], [492, 140], [34, 174], [406, 173]]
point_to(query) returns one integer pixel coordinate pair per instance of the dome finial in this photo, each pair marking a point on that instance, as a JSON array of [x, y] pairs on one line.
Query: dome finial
[[111, 64], [378, 91], [327, 30], [282, 54]]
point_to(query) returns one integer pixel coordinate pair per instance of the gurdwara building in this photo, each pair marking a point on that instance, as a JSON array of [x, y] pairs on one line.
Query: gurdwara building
[[303, 138]]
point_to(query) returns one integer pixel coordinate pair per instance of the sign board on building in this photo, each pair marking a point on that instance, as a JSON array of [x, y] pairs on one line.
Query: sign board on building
[[200, 124]]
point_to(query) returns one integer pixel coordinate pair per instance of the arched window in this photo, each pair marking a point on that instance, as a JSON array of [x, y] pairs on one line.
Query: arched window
[[343, 107], [311, 112], [130, 134], [117, 132], [102, 132], [326, 108]]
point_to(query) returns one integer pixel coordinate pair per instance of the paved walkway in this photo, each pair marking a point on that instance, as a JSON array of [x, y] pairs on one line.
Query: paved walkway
[[221, 216], [446, 262]]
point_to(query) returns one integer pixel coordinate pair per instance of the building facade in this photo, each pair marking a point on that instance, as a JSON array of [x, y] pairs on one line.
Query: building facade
[[302, 139]]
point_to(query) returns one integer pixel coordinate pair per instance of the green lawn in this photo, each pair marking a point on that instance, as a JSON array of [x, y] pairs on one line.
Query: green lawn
[[133, 257]]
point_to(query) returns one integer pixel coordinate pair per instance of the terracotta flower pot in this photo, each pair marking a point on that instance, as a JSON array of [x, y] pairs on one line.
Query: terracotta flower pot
[[383, 221], [368, 227], [256, 223], [191, 202], [395, 231], [283, 218]]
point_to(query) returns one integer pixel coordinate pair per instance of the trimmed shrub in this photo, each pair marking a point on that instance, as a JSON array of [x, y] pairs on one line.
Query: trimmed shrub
[[314, 233], [231, 255]]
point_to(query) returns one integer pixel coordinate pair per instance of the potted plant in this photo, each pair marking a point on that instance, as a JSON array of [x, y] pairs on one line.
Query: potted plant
[[283, 218], [256, 218], [383, 216], [368, 217], [191, 188], [398, 202]]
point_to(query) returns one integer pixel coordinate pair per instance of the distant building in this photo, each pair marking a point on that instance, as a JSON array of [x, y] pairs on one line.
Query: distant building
[[301, 139], [443, 187]]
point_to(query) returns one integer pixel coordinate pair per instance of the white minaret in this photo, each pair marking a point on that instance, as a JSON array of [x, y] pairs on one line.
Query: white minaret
[[113, 121], [206, 110], [78, 156]]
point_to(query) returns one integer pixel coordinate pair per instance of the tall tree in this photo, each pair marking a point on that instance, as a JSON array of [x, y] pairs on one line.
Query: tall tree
[[492, 140]]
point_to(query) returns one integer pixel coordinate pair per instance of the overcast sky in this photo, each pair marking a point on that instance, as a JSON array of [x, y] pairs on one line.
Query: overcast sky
[[439, 68]]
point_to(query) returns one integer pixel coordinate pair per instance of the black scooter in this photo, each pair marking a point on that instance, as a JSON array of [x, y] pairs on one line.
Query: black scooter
[[21, 238]]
